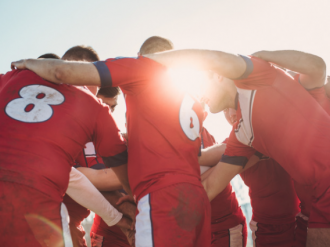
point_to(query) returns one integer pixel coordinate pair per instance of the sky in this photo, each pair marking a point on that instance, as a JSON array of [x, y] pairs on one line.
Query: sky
[[118, 28]]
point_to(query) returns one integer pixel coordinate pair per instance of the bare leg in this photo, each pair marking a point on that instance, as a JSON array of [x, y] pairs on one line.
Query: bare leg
[[318, 237]]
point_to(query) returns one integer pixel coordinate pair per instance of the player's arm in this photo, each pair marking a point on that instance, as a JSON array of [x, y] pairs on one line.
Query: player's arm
[[210, 156], [83, 192], [217, 178], [103, 179], [225, 64], [327, 87], [60, 71], [312, 69], [121, 173]]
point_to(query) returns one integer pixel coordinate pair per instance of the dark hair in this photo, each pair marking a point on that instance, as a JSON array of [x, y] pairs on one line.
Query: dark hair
[[81, 53], [108, 92], [155, 44], [49, 55]]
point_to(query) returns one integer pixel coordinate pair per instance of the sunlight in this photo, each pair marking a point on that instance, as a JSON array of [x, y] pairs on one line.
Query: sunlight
[[189, 80]]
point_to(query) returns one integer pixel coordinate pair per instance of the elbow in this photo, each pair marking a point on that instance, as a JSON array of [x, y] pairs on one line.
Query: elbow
[[319, 67], [60, 74]]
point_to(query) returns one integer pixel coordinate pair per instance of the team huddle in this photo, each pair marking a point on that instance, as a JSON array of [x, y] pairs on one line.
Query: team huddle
[[166, 182]]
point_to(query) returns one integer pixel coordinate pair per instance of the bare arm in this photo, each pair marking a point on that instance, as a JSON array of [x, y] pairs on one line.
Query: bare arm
[[121, 172], [211, 155], [103, 180], [60, 71], [225, 64], [312, 69], [218, 177]]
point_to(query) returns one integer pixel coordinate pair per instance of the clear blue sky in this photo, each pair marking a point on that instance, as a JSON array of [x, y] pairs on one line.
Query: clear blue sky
[[118, 28]]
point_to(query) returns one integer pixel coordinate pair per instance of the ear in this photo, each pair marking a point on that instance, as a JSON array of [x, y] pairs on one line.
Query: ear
[[138, 54]]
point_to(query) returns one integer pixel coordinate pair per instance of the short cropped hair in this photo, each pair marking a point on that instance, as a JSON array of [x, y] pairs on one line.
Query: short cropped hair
[[81, 53], [108, 92], [155, 44], [49, 55]]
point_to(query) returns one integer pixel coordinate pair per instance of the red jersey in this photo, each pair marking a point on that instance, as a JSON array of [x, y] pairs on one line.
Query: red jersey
[[304, 192], [271, 191], [225, 210], [266, 96], [163, 124], [43, 128]]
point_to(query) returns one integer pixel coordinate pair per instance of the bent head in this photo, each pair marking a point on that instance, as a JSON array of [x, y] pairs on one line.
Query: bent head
[[109, 96], [82, 53], [219, 94]]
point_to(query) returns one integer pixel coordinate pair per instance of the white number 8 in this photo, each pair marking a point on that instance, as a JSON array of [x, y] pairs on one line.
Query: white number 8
[[188, 118], [34, 106]]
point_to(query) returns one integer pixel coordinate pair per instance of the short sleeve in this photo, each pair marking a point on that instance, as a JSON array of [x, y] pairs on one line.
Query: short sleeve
[[130, 74], [258, 73], [108, 141], [236, 153]]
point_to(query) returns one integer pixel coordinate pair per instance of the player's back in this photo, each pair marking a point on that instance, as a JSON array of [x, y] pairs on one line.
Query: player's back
[[43, 127], [285, 120]]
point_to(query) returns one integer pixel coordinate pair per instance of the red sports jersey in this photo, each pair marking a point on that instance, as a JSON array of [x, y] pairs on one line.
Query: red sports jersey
[[43, 128], [281, 120], [163, 124], [272, 195], [225, 210]]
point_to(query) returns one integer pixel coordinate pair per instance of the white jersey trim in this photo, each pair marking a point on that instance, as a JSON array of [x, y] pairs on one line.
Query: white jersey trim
[[244, 131], [65, 226], [143, 225]]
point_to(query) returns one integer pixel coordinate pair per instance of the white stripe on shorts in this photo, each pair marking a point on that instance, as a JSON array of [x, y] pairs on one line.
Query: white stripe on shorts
[[65, 226], [236, 236], [143, 225]]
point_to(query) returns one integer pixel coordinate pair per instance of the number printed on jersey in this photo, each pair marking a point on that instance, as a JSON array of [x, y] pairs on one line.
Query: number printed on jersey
[[34, 106], [188, 118]]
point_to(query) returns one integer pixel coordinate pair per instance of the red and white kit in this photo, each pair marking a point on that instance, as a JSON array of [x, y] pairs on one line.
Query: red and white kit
[[266, 96], [163, 126], [43, 128], [304, 192]]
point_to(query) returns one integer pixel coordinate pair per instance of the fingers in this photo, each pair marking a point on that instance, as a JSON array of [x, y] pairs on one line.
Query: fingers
[[18, 64], [126, 198]]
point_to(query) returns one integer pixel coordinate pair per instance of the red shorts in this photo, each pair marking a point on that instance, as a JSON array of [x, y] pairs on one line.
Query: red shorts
[[320, 213], [301, 230], [108, 236], [177, 215], [233, 237], [272, 235], [31, 218]]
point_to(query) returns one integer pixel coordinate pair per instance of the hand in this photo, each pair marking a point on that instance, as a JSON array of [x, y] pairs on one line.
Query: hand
[[126, 198], [130, 235], [125, 223], [21, 64], [128, 209]]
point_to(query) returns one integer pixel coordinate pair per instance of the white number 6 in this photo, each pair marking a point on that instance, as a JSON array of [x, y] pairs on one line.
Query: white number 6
[[34, 106], [188, 118]]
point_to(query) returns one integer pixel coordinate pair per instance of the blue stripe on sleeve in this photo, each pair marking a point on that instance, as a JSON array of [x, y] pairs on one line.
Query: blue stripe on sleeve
[[105, 76], [234, 160], [249, 68]]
